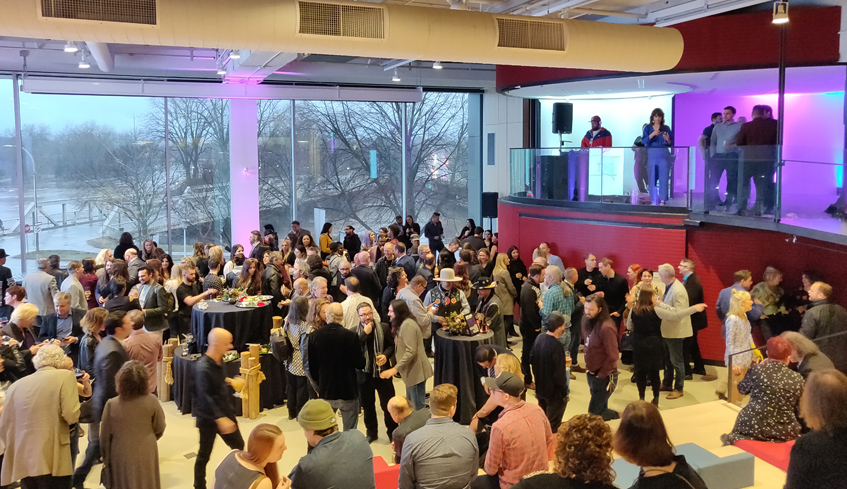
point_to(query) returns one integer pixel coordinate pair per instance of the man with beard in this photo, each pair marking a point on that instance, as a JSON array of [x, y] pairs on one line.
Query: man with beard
[[189, 293]]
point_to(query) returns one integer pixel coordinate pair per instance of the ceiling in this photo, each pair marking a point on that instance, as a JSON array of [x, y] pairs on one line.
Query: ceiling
[[816, 79]]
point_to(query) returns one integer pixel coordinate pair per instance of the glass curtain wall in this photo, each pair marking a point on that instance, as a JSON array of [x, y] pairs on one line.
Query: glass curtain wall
[[97, 166]]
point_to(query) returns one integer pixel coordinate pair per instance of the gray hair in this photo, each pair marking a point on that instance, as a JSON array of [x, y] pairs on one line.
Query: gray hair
[[555, 273], [49, 356], [274, 256], [334, 313], [666, 270], [800, 344], [62, 296], [43, 263], [317, 281]]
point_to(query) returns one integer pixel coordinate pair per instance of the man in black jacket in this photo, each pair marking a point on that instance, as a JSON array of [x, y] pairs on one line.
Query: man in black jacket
[[352, 243], [334, 356], [690, 345], [213, 403], [385, 263], [378, 347], [447, 256], [586, 284], [614, 288], [530, 326], [109, 357], [369, 285], [549, 365], [434, 232], [272, 281]]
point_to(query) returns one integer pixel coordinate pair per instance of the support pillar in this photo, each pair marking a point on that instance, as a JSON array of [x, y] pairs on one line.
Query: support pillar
[[243, 169]]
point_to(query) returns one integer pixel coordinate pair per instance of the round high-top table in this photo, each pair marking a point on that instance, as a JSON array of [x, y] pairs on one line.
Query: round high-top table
[[247, 324], [454, 364], [271, 390]]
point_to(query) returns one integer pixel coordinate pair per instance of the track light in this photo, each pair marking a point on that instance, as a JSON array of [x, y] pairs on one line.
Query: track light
[[71, 47], [235, 54], [83, 62], [395, 78], [780, 12], [221, 70], [437, 65]]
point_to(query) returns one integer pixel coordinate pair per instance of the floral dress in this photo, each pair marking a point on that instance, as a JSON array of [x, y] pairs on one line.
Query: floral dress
[[738, 338]]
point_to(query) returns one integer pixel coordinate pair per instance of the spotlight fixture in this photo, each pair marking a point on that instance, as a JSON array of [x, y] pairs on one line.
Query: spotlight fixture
[[71, 47], [437, 65], [780, 12], [235, 54], [83, 62], [395, 78], [221, 70]]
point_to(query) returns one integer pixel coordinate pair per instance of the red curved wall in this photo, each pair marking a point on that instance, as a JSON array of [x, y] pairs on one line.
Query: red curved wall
[[718, 251], [753, 42]]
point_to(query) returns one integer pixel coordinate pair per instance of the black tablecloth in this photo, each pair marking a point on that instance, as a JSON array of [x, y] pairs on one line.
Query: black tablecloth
[[247, 324], [271, 390], [454, 364]]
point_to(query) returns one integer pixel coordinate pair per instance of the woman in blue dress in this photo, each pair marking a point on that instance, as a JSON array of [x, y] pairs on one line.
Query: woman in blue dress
[[657, 138]]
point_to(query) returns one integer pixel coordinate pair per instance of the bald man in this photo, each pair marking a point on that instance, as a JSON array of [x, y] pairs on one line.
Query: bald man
[[133, 265], [369, 285], [212, 403], [407, 421], [334, 356]]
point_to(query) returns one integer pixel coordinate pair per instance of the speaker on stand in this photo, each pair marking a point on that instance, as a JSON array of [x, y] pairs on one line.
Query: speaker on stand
[[489, 208], [562, 120]]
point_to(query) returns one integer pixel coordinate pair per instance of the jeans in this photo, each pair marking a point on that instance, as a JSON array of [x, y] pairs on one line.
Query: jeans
[[659, 168], [692, 354], [368, 388], [554, 409], [528, 336], [298, 393], [599, 402], [675, 364], [416, 394], [92, 454], [208, 431], [349, 411]]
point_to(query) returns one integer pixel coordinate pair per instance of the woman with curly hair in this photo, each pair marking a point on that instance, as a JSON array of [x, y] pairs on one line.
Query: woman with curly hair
[[583, 457], [642, 440]]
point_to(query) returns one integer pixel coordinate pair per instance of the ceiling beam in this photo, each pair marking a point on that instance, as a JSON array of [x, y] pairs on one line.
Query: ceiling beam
[[506, 6], [557, 6]]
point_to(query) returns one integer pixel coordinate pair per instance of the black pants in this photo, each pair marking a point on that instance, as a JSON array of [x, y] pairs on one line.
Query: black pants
[[486, 482], [554, 409], [208, 431], [719, 163], [692, 354], [368, 388], [436, 245], [509, 325], [642, 375], [46, 482], [298, 393], [92, 454], [528, 336]]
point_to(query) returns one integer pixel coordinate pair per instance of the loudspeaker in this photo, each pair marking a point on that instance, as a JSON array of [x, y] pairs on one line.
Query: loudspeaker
[[489, 205], [554, 177], [562, 118]]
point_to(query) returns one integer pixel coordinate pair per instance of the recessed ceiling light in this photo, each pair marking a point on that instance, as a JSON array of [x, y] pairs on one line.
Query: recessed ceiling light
[[71, 47], [437, 65]]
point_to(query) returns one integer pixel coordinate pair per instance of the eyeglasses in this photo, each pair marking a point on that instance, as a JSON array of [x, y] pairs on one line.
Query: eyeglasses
[[366, 314]]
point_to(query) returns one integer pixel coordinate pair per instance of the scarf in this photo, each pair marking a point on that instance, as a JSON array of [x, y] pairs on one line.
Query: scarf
[[370, 355]]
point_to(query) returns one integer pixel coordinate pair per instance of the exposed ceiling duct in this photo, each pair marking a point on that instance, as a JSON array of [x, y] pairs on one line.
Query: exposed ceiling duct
[[102, 56], [354, 29]]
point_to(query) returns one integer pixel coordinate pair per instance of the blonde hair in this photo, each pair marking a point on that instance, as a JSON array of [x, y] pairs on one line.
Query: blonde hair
[[508, 363], [500, 263], [216, 252], [442, 398], [24, 311], [100, 260], [94, 320], [735, 309]]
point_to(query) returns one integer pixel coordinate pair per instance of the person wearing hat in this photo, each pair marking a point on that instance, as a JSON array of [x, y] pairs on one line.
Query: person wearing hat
[[549, 364], [352, 242], [489, 310], [512, 454], [6, 279], [337, 459], [416, 243], [598, 136], [448, 299]]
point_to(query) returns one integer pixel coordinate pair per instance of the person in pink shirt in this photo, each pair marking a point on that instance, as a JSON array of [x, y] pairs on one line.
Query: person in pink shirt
[[144, 347], [521, 441]]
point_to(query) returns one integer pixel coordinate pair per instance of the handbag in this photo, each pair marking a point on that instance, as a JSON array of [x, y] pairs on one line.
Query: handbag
[[86, 412], [626, 341], [281, 346]]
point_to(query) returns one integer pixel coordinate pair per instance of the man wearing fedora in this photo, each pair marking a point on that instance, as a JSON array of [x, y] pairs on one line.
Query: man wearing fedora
[[6, 279], [448, 299], [347, 453], [488, 310]]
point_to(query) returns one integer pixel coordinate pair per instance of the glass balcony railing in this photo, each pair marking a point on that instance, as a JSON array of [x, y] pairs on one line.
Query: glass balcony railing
[[620, 175]]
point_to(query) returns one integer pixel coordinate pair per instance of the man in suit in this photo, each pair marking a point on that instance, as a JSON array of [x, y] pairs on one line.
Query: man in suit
[[698, 322], [109, 357], [133, 264], [40, 288], [155, 302], [404, 260], [259, 246], [369, 284], [64, 326], [674, 330]]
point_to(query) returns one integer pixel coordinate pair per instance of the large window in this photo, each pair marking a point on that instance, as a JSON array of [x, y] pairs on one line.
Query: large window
[[9, 207]]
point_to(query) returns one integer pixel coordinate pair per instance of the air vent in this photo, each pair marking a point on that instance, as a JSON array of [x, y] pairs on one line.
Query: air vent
[[530, 34], [124, 11], [327, 19]]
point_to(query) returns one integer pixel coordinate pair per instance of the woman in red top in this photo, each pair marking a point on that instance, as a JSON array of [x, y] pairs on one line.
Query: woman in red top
[[88, 279], [601, 355]]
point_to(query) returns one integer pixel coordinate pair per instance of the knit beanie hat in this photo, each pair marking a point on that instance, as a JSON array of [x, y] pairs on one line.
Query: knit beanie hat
[[316, 415]]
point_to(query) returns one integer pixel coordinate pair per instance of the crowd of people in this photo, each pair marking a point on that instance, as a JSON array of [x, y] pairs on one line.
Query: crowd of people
[[82, 344]]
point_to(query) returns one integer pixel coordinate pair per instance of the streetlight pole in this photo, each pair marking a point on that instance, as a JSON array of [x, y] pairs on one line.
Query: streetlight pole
[[34, 199]]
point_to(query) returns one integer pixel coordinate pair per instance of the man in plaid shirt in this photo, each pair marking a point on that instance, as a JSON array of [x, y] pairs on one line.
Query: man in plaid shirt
[[555, 300], [521, 440]]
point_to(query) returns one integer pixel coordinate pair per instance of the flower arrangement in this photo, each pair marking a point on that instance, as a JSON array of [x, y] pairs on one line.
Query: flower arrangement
[[231, 294], [455, 323]]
